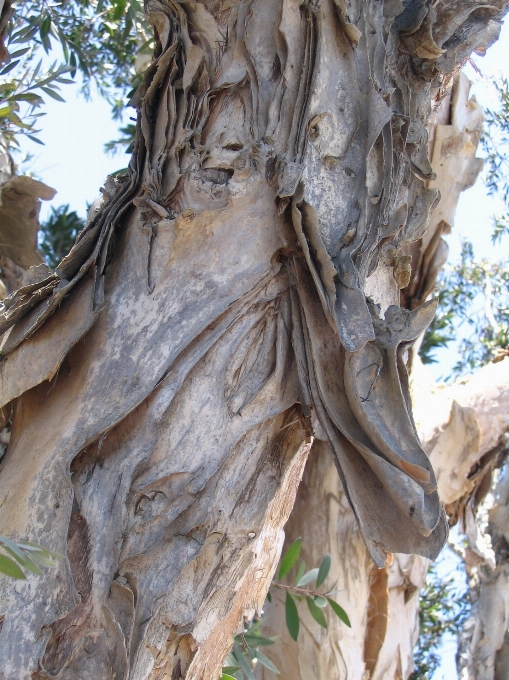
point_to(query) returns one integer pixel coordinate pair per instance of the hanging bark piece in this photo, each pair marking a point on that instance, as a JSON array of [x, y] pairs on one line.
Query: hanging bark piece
[[19, 212], [463, 427], [275, 163]]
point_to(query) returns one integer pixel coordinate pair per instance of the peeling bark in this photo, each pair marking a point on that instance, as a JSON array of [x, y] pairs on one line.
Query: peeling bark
[[281, 155], [459, 427]]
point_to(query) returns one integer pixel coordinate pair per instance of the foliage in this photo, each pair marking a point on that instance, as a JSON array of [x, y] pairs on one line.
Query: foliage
[[100, 39], [245, 653], [474, 301], [495, 142], [473, 294], [58, 234], [24, 555], [441, 610], [125, 142]]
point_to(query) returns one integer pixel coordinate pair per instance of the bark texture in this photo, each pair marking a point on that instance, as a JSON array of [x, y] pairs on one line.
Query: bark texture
[[460, 426], [484, 645], [281, 159]]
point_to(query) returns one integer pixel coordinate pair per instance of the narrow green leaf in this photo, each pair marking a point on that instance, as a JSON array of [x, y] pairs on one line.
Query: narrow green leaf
[[45, 26], [316, 612], [34, 547], [301, 572], [331, 589], [225, 676], [254, 640], [43, 557], [292, 617], [340, 612], [323, 572], [27, 563], [25, 35], [20, 556], [10, 568], [241, 659], [14, 549], [5, 110], [290, 557], [46, 43], [266, 662], [53, 94], [9, 67], [34, 139], [27, 97], [230, 669], [20, 53], [269, 597], [308, 577], [44, 560]]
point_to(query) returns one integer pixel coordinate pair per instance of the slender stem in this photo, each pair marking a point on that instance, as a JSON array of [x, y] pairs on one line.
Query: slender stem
[[302, 591]]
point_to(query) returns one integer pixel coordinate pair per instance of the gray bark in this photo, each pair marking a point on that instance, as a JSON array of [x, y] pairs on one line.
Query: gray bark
[[281, 159]]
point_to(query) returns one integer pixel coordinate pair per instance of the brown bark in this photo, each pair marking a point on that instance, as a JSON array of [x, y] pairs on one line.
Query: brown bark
[[458, 425], [281, 157]]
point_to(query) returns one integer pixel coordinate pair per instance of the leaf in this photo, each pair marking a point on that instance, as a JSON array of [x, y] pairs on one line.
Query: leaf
[[20, 53], [301, 572], [241, 659], [53, 94], [340, 612], [290, 557], [13, 548], [254, 640], [320, 601], [266, 662], [225, 676], [323, 572], [10, 568], [292, 617], [9, 67], [27, 97], [27, 562], [43, 557], [230, 669], [269, 596], [35, 547], [46, 26], [34, 139], [5, 110], [316, 612], [308, 577], [25, 34]]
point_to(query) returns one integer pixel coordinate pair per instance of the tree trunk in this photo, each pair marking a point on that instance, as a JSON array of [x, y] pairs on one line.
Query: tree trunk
[[165, 381], [383, 605]]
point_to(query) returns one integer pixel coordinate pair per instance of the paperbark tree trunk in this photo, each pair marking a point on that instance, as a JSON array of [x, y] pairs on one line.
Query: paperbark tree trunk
[[165, 381], [461, 427]]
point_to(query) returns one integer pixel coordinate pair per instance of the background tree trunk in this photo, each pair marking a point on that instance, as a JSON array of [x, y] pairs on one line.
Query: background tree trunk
[[165, 380]]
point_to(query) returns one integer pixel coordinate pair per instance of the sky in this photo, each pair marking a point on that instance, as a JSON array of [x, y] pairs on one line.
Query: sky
[[74, 163], [476, 209], [73, 160]]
